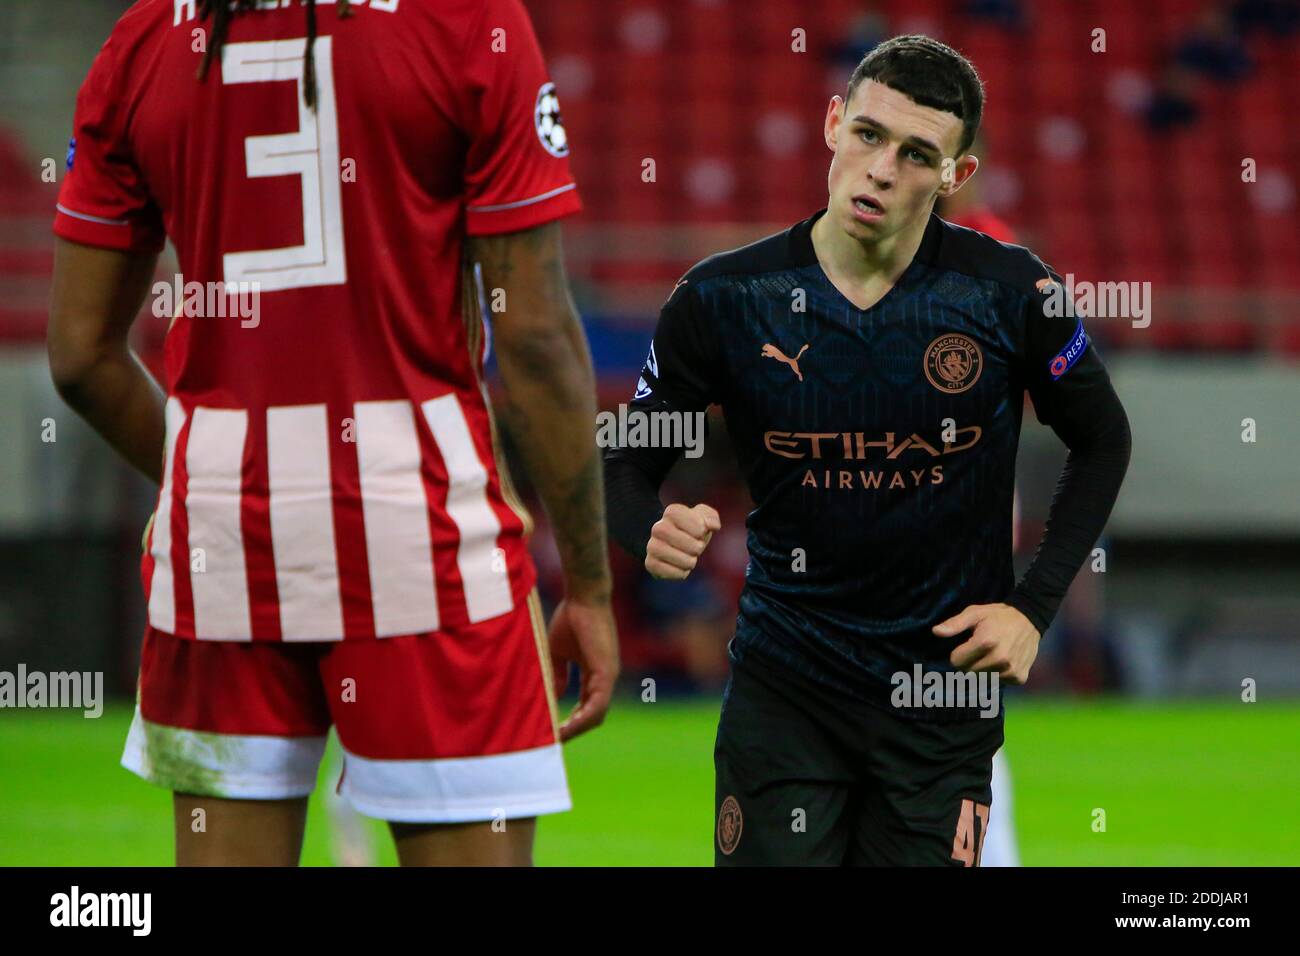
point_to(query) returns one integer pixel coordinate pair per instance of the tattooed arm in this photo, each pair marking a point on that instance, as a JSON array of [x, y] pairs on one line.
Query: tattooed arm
[[550, 389], [551, 412]]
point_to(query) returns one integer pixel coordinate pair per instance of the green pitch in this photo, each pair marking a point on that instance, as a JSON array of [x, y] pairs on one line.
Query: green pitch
[[1181, 785]]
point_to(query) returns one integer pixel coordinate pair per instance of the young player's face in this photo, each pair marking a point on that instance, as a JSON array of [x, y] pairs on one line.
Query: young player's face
[[888, 166]]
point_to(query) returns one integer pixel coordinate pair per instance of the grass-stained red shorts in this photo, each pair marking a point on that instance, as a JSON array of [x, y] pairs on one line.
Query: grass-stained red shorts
[[451, 726]]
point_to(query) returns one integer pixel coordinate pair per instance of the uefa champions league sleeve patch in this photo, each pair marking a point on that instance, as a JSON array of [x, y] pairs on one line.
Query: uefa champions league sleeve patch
[[549, 123], [643, 388], [1065, 359]]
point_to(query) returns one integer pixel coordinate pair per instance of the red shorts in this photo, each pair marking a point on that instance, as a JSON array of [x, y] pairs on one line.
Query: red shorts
[[446, 727]]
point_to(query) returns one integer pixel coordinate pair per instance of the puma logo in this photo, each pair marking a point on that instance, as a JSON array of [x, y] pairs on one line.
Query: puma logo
[[771, 351]]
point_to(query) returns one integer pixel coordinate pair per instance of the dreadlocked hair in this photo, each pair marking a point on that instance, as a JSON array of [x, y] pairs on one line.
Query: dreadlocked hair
[[222, 11]]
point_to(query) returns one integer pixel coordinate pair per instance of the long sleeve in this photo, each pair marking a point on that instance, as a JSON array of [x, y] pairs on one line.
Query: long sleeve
[[1072, 394], [680, 375]]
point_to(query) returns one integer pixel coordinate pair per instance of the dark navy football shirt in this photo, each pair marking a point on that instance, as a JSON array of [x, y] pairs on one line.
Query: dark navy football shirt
[[878, 445]]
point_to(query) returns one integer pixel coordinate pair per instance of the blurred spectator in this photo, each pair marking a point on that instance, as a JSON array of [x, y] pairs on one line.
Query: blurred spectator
[[1172, 104], [1215, 48], [967, 207], [865, 33], [1008, 14], [693, 618], [1279, 17]]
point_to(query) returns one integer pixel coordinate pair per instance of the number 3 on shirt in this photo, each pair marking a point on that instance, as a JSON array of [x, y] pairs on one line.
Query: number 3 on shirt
[[311, 152]]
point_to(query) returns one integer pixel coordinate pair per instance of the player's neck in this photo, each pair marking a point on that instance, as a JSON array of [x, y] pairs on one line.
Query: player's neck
[[865, 271]]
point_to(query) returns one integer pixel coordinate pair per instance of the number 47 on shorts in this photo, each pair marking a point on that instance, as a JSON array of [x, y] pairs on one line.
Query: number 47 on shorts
[[967, 845]]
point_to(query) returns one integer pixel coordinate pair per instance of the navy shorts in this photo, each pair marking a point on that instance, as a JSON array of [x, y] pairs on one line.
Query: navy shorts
[[810, 776]]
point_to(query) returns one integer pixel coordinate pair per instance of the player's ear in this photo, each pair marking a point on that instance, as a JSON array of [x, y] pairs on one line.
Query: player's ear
[[954, 173], [834, 116]]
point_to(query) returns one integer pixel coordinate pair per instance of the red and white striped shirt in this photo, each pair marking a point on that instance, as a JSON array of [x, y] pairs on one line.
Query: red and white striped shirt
[[330, 471]]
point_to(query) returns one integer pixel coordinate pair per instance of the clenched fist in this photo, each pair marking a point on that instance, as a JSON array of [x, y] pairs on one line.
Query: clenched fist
[[678, 539]]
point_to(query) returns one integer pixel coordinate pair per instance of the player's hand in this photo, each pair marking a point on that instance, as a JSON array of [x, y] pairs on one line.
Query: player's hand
[[678, 539], [1003, 640], [583, 632]]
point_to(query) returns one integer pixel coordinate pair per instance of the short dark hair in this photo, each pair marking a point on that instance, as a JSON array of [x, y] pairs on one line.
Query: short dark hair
[[931, 74]]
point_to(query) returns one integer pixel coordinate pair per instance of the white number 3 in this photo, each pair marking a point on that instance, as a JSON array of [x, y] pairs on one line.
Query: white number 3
[[311, 153]]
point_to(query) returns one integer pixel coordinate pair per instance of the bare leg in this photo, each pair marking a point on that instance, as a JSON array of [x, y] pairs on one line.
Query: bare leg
[[238, 832], [465, 844]]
